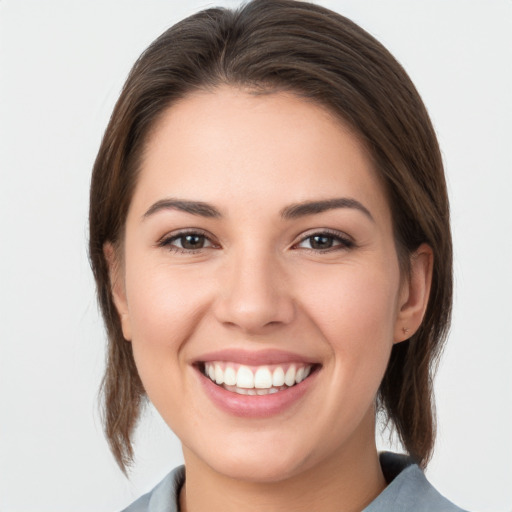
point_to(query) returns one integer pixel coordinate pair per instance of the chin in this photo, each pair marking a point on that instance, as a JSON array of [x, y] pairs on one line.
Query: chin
[[258, 470], [262, 462]]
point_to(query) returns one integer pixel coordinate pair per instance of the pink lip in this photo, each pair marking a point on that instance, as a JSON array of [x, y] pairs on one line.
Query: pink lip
[[252, 358], [255, 406]]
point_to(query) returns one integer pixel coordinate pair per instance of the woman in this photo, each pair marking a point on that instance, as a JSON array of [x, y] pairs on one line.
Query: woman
[[269, 233]]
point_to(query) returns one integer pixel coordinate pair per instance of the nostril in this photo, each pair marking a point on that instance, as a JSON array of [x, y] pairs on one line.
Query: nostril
[[254, 303]]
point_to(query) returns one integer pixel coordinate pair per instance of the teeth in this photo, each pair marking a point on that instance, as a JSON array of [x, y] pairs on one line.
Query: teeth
[[289, 378], [242, 391], [230, 376], [219, 374], [244, 378], [263, 378], [255, 381], [278, 377]]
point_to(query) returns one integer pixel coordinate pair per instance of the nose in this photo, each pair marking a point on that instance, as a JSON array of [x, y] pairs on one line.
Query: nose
[[254, 294]]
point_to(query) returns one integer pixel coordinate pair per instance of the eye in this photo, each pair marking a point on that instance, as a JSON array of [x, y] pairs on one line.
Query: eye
[[325, 241], [186, 242]]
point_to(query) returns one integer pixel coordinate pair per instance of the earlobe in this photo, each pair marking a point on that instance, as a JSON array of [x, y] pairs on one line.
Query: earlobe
[[117, 288], [414, 294]]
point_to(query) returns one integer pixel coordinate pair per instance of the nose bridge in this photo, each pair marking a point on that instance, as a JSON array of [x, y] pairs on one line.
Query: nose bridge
[[255, 292]]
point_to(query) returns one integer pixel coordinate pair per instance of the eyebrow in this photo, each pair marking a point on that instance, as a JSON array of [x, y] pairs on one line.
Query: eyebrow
[[194, 207], [292, 211], [312, 207]]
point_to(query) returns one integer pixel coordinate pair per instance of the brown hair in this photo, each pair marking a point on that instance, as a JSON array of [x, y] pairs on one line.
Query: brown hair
[[275, 45]]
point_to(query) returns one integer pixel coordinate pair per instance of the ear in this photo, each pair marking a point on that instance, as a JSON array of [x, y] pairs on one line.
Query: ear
[[414, 293], [117, 287]]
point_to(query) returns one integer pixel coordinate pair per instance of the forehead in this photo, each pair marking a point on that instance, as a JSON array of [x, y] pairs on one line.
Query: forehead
[[236, 147]]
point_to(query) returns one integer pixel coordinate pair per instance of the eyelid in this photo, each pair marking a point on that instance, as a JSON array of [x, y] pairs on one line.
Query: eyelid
[[165, 241], [346, 240]]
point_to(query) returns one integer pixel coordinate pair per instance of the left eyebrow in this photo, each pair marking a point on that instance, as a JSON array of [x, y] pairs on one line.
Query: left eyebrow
[[313, 207], [193, 207]]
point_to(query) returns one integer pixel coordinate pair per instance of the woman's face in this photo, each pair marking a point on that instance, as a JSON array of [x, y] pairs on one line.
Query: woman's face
[[259, 249]]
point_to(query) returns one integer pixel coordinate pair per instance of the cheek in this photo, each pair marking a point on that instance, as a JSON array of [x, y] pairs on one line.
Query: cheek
[[355, 300], [163, 299], [164, 306], [355, 309]]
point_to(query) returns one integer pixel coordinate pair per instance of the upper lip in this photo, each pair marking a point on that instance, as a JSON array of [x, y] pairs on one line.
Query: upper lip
[[254, 358]]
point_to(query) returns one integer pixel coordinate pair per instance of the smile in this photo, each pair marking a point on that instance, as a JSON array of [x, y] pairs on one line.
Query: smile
[[256, 380]]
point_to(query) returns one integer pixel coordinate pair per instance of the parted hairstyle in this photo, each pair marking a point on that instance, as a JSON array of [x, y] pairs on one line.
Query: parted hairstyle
[[269, 46]]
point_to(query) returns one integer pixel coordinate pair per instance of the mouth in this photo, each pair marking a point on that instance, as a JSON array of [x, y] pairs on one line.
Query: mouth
[[256, 384], [258, 380]]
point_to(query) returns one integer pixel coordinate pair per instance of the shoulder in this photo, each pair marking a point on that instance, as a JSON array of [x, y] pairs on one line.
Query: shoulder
[[164, 497], [408, 489]]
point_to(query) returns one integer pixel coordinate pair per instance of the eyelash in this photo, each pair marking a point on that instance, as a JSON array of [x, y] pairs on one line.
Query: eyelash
[[344, 242], [168, 241]]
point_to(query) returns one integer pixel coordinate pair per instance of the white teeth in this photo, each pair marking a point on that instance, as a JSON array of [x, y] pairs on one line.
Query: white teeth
[[230, 376], [242, 391], [244, 378], [289, 378], [219, 374], [263, 381], [263, 378], [278, 377]]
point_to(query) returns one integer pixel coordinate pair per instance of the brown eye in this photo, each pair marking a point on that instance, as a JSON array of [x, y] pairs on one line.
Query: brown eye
[[191, 241], [321, 242], [187, 242], [325, 241]]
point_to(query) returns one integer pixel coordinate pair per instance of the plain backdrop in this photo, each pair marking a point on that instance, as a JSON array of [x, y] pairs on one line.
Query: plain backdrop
[[62, 64]]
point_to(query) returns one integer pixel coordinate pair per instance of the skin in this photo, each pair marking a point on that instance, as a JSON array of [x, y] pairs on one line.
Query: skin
[[257, 284]]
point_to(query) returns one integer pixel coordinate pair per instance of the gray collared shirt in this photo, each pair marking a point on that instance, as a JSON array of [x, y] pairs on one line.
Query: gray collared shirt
[[408, 490]]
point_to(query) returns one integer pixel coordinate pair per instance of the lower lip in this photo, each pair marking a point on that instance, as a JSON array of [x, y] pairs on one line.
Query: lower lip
[[255, 406]]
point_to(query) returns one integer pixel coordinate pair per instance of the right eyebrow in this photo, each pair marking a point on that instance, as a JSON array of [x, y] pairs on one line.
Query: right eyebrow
[[194, 207], [297, 210]]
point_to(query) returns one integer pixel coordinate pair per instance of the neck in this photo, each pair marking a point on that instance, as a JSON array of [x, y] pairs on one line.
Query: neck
[[345, 482]]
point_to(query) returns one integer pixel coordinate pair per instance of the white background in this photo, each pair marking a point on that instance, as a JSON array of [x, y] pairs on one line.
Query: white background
[[62, 64]]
